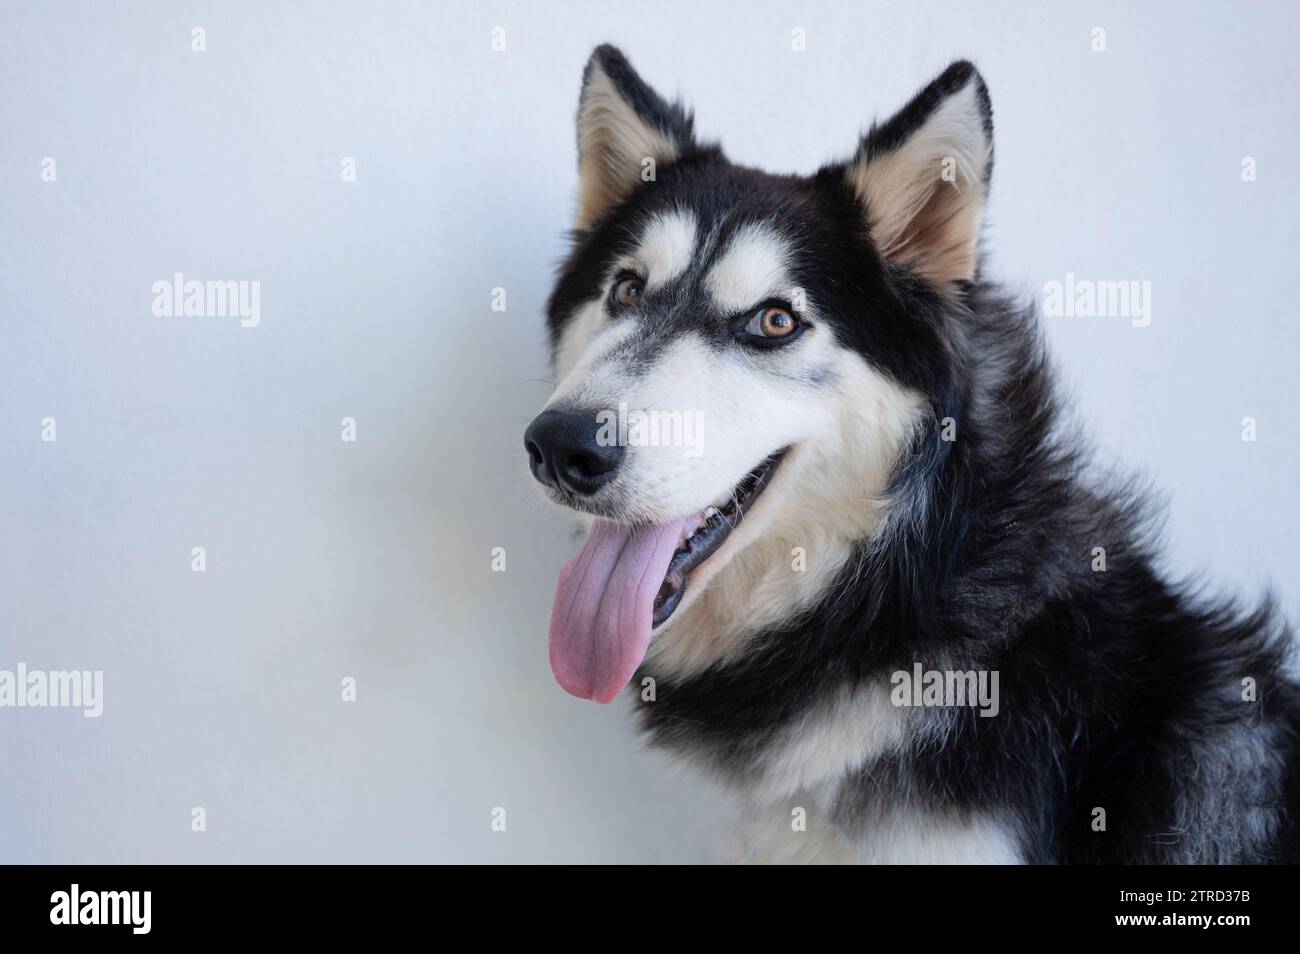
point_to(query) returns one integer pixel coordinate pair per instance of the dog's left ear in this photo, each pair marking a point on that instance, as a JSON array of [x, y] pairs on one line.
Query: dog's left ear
[[924, 174], [623, 126]]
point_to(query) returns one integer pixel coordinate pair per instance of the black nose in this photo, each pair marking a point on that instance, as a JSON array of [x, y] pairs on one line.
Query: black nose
[[564, 452]]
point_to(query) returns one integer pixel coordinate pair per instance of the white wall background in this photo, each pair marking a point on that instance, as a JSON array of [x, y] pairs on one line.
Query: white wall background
[[371, 559]]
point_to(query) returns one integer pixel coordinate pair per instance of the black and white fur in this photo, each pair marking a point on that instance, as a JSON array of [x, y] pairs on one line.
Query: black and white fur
[[1120, 691]]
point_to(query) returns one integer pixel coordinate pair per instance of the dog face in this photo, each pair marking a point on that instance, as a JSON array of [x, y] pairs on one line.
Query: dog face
[[740, 356]]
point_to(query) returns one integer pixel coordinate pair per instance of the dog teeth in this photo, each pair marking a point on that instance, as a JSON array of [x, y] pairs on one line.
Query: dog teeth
[[712, 515]]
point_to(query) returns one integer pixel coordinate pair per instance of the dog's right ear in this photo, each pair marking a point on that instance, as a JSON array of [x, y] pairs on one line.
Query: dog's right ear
[[625, 129]]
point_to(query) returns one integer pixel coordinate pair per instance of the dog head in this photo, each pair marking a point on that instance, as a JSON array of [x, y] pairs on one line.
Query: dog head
[[740, 354]]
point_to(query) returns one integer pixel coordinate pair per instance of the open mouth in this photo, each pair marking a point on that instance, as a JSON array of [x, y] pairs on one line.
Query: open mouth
[[628, 580], [712, 528]]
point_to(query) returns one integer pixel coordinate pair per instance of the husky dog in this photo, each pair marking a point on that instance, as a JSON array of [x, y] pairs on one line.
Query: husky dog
[[882, 511]]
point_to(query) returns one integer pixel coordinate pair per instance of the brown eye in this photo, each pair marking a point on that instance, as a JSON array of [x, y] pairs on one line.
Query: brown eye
[[772, 322], [628, 291]]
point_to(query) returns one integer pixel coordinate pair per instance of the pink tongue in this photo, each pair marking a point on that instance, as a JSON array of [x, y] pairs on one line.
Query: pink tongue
[[600, 624]]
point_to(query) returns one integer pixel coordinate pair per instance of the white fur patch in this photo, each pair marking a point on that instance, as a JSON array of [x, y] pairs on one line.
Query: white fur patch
[[753, 267], [667, 247], [825, 497], [842, 733], [900, 836], [922, 838]]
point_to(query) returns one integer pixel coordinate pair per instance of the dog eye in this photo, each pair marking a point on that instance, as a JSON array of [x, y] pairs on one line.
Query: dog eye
[[772, 322], [628, 291]]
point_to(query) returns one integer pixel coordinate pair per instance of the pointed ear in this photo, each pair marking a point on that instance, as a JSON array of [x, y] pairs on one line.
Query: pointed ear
[[622, 122], [924, 174]]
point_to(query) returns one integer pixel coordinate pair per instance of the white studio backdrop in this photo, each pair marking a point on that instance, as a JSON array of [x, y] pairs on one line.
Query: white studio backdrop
[[370, 559]]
